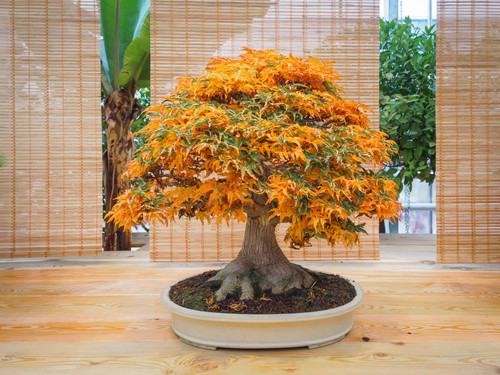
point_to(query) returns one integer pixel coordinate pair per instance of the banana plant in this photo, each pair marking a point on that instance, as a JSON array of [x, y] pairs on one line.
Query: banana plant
[[125, 67]]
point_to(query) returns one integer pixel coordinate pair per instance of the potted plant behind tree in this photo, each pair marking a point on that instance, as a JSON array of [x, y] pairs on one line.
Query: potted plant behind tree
[[266, 139], [408, 99]]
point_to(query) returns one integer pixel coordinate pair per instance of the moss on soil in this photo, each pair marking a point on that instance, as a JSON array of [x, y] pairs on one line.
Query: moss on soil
[[327, 292]]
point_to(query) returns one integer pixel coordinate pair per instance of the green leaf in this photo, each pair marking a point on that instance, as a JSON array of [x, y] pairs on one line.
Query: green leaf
[[133, 62], [144, 78], [116, 36], [418, 152], [105, 84], [136, 59], [146, 35]]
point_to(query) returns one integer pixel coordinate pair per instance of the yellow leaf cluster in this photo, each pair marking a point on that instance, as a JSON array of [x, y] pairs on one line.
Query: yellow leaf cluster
[[264, 129]]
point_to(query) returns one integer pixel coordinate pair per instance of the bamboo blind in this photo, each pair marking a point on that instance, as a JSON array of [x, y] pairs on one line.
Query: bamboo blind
[[50, 188], [468, 131], [186, 34]]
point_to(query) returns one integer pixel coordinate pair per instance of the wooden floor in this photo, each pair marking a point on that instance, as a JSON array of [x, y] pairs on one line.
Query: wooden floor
[[420, 318]]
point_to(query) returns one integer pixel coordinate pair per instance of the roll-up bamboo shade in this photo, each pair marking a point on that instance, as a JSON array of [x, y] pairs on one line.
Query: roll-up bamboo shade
[[186, 34], [468, 131], [50, 188]]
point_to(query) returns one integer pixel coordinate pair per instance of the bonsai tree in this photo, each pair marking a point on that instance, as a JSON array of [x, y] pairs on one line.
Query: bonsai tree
[[265, 139]]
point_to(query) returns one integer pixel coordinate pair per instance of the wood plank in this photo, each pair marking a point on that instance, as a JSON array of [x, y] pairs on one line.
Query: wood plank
[[36, 309], [391, 285], [174, 358], [167, 273], [84, 320], [377, 327], [425, 328]]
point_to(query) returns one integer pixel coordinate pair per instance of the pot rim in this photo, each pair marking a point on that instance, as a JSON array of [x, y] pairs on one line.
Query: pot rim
[[230, 317]]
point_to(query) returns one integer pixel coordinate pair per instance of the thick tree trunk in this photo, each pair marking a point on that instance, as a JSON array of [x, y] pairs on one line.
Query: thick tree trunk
[[261, 262], [120, 111]]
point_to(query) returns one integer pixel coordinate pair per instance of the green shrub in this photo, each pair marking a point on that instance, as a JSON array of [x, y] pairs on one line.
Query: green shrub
[[407, 98]]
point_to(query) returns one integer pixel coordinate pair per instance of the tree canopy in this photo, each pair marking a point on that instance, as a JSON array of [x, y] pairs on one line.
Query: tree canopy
[[407, 98], [262, 130]]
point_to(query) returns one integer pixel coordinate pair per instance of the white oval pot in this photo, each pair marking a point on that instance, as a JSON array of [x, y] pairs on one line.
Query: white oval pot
[[212, 330]]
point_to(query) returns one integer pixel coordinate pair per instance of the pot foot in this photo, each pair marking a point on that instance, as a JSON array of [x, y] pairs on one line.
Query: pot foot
[[329, 342], [201, 346]]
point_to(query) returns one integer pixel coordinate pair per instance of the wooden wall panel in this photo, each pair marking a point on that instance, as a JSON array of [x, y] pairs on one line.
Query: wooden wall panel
[[468, 131], [186, 34], [50, 188]]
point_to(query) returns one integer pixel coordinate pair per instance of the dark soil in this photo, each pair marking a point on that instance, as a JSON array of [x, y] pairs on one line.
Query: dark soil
[[327, 292]]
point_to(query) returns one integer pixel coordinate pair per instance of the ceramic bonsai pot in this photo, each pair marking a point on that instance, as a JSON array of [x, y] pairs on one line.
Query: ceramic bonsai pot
[[212, 330]]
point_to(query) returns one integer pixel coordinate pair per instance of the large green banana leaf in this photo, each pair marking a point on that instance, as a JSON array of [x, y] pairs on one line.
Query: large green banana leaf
[[121, 23], [136, 61]]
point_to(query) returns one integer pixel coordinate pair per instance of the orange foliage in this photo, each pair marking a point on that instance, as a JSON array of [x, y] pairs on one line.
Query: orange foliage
[[263, 129]]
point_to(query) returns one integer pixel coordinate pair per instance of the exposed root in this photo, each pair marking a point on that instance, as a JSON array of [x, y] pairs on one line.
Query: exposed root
[[278, 278]]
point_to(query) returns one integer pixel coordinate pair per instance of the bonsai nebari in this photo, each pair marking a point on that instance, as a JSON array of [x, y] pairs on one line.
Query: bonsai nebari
[[265, 139]]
